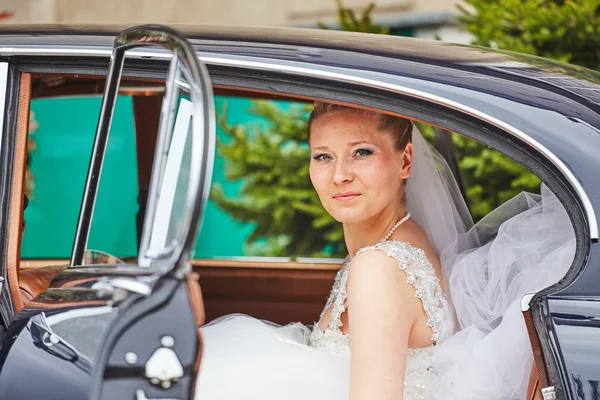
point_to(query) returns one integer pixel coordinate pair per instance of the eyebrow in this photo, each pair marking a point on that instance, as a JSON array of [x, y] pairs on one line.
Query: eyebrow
[[352, 144]]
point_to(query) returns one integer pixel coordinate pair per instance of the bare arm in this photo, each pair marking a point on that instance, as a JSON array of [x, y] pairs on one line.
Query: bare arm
[[382, 308]]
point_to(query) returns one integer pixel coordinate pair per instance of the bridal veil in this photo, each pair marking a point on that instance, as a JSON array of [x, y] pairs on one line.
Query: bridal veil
[[523, 246]]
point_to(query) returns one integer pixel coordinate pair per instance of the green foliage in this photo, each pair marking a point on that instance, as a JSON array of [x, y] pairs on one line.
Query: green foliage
[[490, 178], [277, 195], [349, 22], [565, 30]]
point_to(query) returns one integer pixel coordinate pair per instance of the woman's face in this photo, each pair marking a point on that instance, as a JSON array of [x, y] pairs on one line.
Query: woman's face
[[354, 167]]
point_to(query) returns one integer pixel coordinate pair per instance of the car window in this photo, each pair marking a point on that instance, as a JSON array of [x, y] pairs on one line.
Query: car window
[[489, 177], [263, 203], [61, 136], [171, 199], [260, 187]]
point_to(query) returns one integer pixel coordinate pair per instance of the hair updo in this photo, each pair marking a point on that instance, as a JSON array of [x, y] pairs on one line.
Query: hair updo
[[400, 128]]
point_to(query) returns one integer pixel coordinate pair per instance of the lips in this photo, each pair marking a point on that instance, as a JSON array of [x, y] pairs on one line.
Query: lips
[[346, 196]]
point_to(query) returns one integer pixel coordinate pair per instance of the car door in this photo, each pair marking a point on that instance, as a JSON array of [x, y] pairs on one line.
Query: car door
[[128, 331]]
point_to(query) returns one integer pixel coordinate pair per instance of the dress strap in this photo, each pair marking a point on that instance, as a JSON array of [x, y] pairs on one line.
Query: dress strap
[[338, 298], [421, 275]]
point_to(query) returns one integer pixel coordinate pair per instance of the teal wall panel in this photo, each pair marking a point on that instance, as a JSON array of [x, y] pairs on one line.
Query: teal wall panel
[[59, 163]]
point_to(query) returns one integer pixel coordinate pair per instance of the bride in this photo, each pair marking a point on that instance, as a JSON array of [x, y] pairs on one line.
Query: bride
[[415, 269]]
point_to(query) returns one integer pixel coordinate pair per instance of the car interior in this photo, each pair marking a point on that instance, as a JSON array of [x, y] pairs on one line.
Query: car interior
[[280, 290]]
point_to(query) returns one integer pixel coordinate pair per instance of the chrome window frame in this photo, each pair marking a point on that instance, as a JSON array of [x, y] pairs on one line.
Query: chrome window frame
[[333, 74], [203, 126]]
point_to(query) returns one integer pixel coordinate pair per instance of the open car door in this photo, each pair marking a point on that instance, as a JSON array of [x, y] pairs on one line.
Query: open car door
[[128, 331], [152, 348]]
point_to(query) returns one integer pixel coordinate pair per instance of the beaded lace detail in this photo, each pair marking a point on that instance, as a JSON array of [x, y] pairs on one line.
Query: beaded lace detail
[[419, 273]]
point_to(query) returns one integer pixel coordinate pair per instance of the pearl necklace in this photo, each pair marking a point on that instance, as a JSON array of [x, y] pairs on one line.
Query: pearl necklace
[[396, 225]]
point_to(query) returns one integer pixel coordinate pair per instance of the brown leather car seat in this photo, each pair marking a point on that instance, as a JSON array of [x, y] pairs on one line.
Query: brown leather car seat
[[33, 281]]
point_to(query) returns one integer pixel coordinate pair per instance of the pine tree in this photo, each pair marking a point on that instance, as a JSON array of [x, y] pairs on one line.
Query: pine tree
[[277, 195]]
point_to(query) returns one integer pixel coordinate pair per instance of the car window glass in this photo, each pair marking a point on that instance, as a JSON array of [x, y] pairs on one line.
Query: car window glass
[[171, 202], [60, 142], [261, 158], [263, 203]]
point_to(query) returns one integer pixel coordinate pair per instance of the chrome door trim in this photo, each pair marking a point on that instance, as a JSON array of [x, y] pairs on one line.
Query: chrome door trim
[[7, 309], [203, 136], [3, 87], [340, 75]]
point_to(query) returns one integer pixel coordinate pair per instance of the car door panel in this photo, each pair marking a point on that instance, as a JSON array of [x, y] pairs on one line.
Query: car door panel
[[54, 339], [122, 331], [575, 323]]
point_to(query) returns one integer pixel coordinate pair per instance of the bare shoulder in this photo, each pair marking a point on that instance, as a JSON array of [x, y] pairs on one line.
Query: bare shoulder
[[372, 257], [375, 273], [370, 264], [378, 292], [412, 233]]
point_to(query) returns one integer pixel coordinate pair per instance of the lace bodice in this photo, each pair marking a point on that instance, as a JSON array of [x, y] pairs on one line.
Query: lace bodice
[[419, 273]]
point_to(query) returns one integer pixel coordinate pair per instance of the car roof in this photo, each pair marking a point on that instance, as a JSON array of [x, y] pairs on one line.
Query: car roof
[[302, 44]]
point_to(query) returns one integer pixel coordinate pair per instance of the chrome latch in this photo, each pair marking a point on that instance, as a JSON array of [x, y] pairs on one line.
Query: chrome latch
[[141, 395], [548, 393], [525, 300]]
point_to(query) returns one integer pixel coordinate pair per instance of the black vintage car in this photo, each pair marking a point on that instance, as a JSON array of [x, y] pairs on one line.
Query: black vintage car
[[77, 328]]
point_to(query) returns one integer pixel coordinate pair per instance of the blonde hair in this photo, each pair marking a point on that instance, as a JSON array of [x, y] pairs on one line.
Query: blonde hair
[[400, 128]]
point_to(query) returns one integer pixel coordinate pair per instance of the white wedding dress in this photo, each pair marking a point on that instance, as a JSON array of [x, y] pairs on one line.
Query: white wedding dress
[[245, 358], [418, 271], [525, 245]]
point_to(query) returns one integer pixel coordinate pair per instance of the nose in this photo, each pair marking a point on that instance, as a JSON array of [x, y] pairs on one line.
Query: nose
[[343, 173]]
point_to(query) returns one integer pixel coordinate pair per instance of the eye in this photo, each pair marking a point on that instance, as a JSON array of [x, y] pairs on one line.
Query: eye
[[322, 157], [363, 152]]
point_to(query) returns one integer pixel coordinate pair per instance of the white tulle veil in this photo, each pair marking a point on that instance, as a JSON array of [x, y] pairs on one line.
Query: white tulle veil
[[433, 196], [523, 246]]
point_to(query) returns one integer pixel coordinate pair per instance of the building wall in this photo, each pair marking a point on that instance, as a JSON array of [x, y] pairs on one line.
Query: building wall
[[213, 12]]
